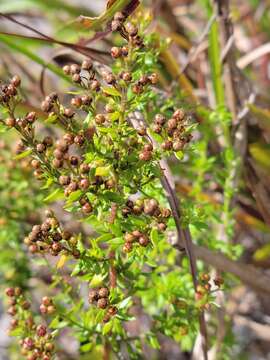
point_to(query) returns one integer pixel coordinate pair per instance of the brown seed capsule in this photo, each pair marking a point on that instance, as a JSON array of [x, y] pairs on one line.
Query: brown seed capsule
[[145, 155], [127, 247], [11, 90], [61, 145], [10, 122], [137, 89], [143, 240], [12, 311], [119, 16], [69, 113], [40, 148], [57, 163], [103, 292], [124, 51], [43, 309], [93, 295], [179, 114], [89, 133], [68, 138], [95, 85], [84, 184], [10, 292], [66, 69], [116, 52], [87, 65], [110, 184], [178, 145], [143, 80], [167, 145], [153, 78], [84, 168], [109, 78], [33, 248], [75, 69], [112, 310], [172, 124], [46, 106], [157, 128], [136, 233], [51, 309], [76, 78], [79, 140], [131, 29], [87, 208], [52, 97], [31, 117], [161, 227], [102, 303], [141, 131], [56, 247], [46, 301], [47, 141], [100, 119], [150, 206], [166, 213], [74, 160], [41, 330], [16, 81], [160, 119], [129, 238], [126, 76], [64, 180], [73, 186], [148, 147], [58, 154], [116, 25], [76, 101], [86, 100]]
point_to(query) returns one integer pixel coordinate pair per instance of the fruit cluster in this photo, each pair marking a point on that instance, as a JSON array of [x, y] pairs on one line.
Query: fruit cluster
[[50, 237], [36, 341], [47, 306], [100, 296], [173, 130]]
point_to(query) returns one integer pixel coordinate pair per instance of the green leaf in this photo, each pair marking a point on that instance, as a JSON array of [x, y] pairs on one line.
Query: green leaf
[[23, 154], [125, 303], [107, 327], [96, 280], [102, 171], [57, 194], [111, 91], [86, 347]]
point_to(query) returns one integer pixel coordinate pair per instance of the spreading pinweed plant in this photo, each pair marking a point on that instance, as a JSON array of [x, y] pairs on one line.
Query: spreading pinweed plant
[[106, 162]]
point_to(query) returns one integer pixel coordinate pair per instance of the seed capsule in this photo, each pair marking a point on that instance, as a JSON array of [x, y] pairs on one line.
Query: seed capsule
[[87, 65], [102, 303]]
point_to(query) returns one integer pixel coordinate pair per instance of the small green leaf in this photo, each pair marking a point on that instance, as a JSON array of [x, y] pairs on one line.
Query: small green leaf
[[107, 328], [57, 194], [125, 303], [96, 280], [102, 171], [112, 91], [23, 154], [179, 155]]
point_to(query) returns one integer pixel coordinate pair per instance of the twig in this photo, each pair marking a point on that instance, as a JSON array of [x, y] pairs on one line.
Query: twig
[[248, 274]]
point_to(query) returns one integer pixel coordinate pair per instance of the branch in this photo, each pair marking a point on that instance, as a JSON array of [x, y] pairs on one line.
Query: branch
[[248, 274]]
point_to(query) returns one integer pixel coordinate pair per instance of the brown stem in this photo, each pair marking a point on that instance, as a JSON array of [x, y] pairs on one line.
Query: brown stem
[[184, 238]]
